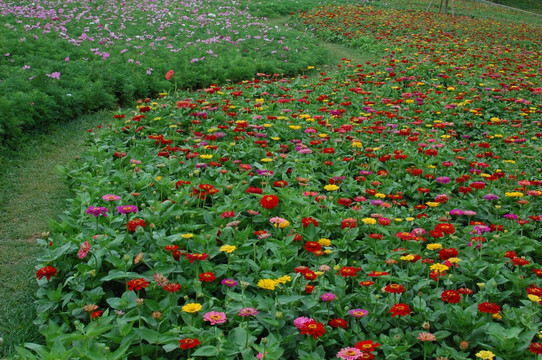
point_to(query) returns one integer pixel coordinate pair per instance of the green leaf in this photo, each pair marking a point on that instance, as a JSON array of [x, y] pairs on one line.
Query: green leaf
[[206, 351]]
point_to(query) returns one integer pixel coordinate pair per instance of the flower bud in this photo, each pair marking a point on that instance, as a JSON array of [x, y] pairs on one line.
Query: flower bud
[[426, 325], [140, 301], [157, 315], [464, 345]]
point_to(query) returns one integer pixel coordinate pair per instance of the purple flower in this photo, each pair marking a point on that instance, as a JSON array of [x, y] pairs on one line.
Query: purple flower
[[327, 297], [490, 197], [126, 209], [511, 216], [229, 282], [443, 180], [97, 211], [457, 212]]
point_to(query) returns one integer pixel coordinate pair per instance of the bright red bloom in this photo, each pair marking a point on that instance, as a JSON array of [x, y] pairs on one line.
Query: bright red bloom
[[400, 309], [137, 284], [366, 356], [451, 296], [313, 328], [538, 272], [269, 201], [172, 287], [445, 228], [366, 283], [394, 289], [207, 276], [349, 271], [309, 275], [367, 345], [307, 221], [133, 224], [227, 214], [349, 223], [312, 246], [96, 314], [309, 289], [335, 323], [194, 257], [48, 272], [378, 273], [535, 348], [186, 344], [171, 247], [446, 254], [254, 190], [490, 308]]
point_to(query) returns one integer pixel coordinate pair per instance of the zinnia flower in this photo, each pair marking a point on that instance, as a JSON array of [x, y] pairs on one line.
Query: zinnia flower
[[186, 344], [269, 201], [358, 313], [312, 328], [192, 307], [399, 309], [349, 353], [215, 317], [137, 284], [425, 336], [248, 311], [48, 272], [485, 355]]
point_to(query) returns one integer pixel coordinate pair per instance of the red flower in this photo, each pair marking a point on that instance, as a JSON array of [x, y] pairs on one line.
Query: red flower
[[378, 273], [348, 223], [344, 201], [309, 289], [172, 287], [367, 345], [48, 272], [490, 308], [535, 348], [307, 221], [312, 246], [312, 328], [400, 309], [186, 344], [171, 247], [309, 275], [538, 272], [394, 289], [137, 284], [269, 201], [207, 276], [133, 224], [451, 296], [96, 314], [194, 257], [349, 271], [254, 190], [335, 323], [446, 254], [227, 214], [366, 283], [447, 229]]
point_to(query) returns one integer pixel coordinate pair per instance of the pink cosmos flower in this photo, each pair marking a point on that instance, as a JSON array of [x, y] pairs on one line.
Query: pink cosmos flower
[[215, 317]]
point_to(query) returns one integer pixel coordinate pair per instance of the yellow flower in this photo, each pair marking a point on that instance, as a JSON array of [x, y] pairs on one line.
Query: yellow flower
[[432, 204], [407, 258], [192, 307], [369, 221], [310, 67], [266, 160], [206, 157], [356, 144], [187, 236], [439, 267], [328, 251], [434, 246], [322, 135], [324, 242], [228, 248], [331, 187], [540, 335], [514, 194], [454, 260], [485, 355], [380, 195], [268, 284], [295, 127], [497, 316], [283, 224], [276, 138], [399, 219], [533, 298], [283, 279], [410, 218]]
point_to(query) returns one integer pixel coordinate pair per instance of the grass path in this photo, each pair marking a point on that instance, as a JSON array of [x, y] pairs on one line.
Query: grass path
[[31, 193]]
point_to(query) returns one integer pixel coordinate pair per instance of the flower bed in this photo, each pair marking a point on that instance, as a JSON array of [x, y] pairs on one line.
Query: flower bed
[[383, 210]]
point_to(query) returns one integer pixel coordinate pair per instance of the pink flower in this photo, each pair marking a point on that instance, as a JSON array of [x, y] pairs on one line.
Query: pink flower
[[215, 317], [248, 311], [83, 251], [169, 74], [55, 75], [425, 336], [349, 353], [300, 321]]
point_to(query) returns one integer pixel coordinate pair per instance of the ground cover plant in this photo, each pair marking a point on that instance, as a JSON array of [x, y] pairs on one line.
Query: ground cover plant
[[388, 209], [61, 59]]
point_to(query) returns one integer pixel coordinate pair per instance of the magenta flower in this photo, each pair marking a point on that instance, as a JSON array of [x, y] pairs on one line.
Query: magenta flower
[[126, 209], [97, 211], [248, 311], [215, 317], [83, 251], [55, 75], [229, 282], [327, 297], [358, 313]]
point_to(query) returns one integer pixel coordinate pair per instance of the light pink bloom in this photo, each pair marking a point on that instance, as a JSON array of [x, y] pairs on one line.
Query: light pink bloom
[[83, 251], [215, 317]]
